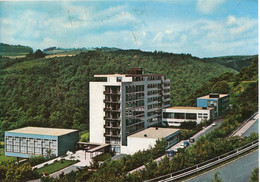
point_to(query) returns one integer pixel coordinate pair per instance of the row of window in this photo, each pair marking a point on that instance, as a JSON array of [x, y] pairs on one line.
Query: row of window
[[153, 99], [159, 86], [154, 78], [30, 145], [138, 103], [136, 96], [132, 129], [154, 92], [135, 88], [172, 115]]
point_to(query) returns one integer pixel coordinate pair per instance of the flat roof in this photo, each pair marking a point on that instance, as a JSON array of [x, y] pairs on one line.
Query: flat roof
[[127, 75], [110, 75], [207, 96], [42, 131], [188, 107], [152, 132]]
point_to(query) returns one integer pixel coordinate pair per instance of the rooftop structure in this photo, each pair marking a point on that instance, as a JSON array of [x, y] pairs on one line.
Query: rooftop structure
[[154, 132], [190, 108], [42, 131], [125, 104], [213, 96]]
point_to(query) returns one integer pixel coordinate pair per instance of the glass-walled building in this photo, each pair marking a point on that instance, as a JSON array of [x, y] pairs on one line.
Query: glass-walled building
[[28, 141]]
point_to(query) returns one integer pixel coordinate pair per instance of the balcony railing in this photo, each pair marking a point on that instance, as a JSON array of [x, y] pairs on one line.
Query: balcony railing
[[112, 101], [112, 110], [112, 134], [112, 126], [112, 118], [112, 92]]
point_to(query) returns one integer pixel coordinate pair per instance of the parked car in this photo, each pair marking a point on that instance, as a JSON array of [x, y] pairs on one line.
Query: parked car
[[186, 143], [171, 153], [191, 140], [182, 146], [214, 124], [176, 149]]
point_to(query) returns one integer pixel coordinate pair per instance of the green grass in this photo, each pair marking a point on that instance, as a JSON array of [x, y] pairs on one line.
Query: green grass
[[56, 166], [13, 53], [4, 158]]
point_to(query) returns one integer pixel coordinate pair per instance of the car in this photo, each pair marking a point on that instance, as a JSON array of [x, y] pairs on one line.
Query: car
[[214, 124], [191, 140], [186, 143], [182, 146], [176, 149], [171, 153]]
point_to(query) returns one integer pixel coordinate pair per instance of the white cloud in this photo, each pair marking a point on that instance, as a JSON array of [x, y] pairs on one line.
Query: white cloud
[[208, 6], [231, 20]]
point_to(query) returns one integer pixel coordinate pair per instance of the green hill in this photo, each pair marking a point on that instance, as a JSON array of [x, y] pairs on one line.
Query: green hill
[[54, 92], [14, 50], [234, 62]]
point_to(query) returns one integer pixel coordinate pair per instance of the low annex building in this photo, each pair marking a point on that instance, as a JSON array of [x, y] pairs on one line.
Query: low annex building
[[28, 141], [145, 139], [174, 116]]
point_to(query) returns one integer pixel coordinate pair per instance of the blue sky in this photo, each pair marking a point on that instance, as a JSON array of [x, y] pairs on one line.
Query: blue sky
[[203, 28]]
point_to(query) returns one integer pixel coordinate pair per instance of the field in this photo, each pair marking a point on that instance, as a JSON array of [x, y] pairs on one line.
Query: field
[[13, 55], [56, 166]]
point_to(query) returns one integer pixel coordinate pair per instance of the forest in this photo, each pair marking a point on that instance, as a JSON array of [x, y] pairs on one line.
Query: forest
[[245, 102], [53, 92], [6, 48]]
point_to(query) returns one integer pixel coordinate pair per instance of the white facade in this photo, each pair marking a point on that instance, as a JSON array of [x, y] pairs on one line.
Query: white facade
[[126, 104], [147, 138], [174, 116]]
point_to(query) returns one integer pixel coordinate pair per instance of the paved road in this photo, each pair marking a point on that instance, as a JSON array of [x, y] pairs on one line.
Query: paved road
[[235, 171], [208, 129], [253, 128], [238, 170], [246, 126], [196, 136]]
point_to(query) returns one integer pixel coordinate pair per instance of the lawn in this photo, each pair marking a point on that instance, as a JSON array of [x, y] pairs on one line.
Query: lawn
[[56, 166], [5, 158]]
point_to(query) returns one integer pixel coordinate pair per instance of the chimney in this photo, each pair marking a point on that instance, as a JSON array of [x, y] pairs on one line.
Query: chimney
[[145, 135]]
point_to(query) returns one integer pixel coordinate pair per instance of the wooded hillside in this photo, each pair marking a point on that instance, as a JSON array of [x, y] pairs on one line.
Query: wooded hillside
[[54, 92]]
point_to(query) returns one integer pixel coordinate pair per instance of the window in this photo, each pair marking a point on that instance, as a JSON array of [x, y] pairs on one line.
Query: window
[[30, 150], [118, 79], [167, 115], [191, 116], [179, 116]]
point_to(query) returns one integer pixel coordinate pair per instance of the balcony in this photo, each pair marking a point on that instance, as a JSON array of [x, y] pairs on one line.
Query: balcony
[[112, 101], [112, 126], [111, 110], [111, 134], [111, 92], [112, 118]]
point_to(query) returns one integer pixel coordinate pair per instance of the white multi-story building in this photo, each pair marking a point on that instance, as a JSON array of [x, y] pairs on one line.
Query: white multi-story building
[[125, 104], [174, 116]]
